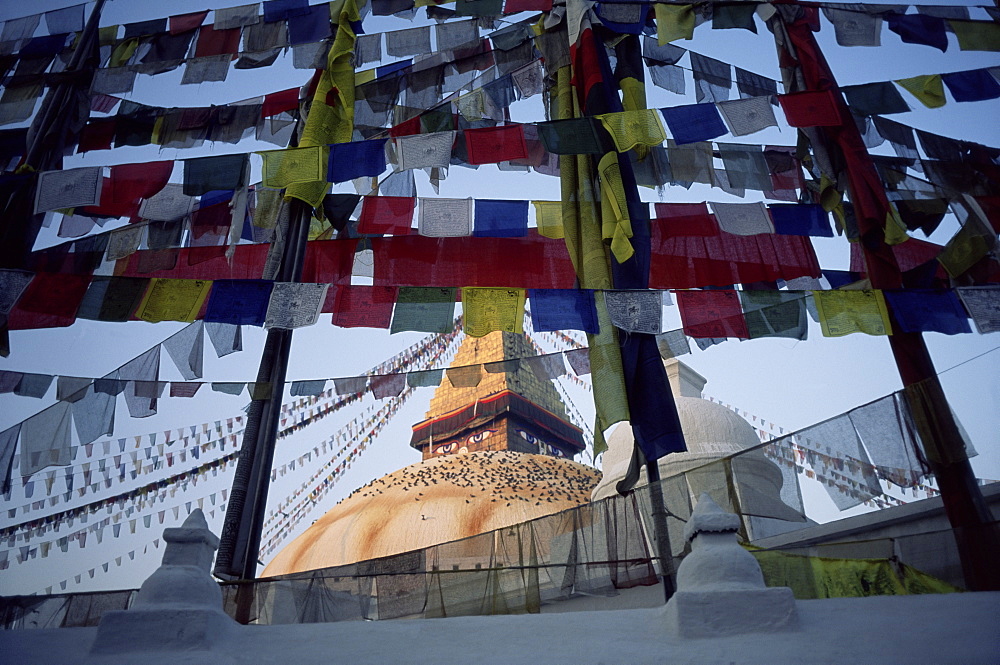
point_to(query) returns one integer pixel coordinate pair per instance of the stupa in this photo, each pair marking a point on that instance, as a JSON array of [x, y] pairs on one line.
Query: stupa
[[496, 452]]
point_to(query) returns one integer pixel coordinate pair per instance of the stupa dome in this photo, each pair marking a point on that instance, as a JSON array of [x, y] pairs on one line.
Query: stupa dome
[[435, 501]]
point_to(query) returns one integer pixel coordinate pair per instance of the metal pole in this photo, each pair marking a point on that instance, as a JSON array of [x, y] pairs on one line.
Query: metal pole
[[976, 534]]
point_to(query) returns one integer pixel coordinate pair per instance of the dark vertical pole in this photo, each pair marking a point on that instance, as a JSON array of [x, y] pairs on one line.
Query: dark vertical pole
[[976, 534], [19, 226], [241, 532], [660, 529]]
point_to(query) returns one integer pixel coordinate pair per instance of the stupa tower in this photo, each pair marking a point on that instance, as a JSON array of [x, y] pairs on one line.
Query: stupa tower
[[512, 407]]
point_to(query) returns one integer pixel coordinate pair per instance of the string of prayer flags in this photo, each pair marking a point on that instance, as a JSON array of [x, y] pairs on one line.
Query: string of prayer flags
[[68, 188], [635, 311], [295, 305], [563, 309], [629, 129], [692, 123], [673, 22], [845, 312], [489, 309], [743, 219], [425, 150], [775, 313], [712, 314], [800, 219], [500, 218], [363, 306], [205, 174], [356, 159], [173, 299], [445, 218], [387, 215], [489, 145], [928, 310], [423, 310], [283, 167], [983, 305], [239, 302], [810, 109]]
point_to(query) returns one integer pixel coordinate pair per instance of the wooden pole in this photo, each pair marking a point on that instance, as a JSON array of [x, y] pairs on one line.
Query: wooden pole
[[976, 533]]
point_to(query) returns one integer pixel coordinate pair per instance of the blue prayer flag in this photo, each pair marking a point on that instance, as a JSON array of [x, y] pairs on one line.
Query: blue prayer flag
[[311, 27], [691, 123], [279, 10], [928, 310], [563, 309], [385, 70], [839, 278], [974, 85], [800, 219], [356, 159], [239, 301], [500, 219], [919, 29]]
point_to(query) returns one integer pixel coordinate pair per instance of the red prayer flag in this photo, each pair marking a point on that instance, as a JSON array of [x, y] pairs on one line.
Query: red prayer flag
[[909, 255], [279, 102], [810, 109], [128, 184], [198, 263], [712, 314], [515, 6], [489, 145], [97, 134], [685, 219], [184, 22], [694, 262], [329, 262], [407, 128], [387, 215], [217, 42], [363, 306], [50, 301]]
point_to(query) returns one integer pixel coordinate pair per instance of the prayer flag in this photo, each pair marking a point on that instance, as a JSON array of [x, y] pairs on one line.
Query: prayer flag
[[673, 22], [563, 309], [445, 218], [743, 219], [489, 145], [489, 309], [363, 306], [186, 348], [68, 188], [976, 35], [633, 128], [775, 313], [50, 300], [800, 219], [386, 215], [635, 311], [425, 150], [746, 116], [500, 219], [672, 343], [239, 301], [173, 299], [387, 385], [691, 123], [423, 310], [983, 304], [204, 174], [928, 89], [356, 159], [283, 167], [465, 377], [974, 85], [425, 379], [810, 109], [928, 310], [575, 136], [919, 29], [880, 98], [295, 305], [845, 312], [715, 313], [685, 219]]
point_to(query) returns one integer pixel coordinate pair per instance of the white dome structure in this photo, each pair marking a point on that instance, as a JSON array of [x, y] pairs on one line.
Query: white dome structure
[[712, 433]]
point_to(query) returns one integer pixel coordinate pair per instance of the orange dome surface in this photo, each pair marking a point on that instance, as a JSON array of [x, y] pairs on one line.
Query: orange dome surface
[[436, 501]]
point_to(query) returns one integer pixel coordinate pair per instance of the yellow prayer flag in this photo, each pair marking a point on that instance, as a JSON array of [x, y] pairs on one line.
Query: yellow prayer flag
[[845, 312], [615, 223], [284, 167], [976, 35], [548, 217], [488, 309], [331, 113], [632, 128], [173, 299], [972, 242], [317, 227], [673, 22], [895, 227], [928, 89], [364, 76]]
